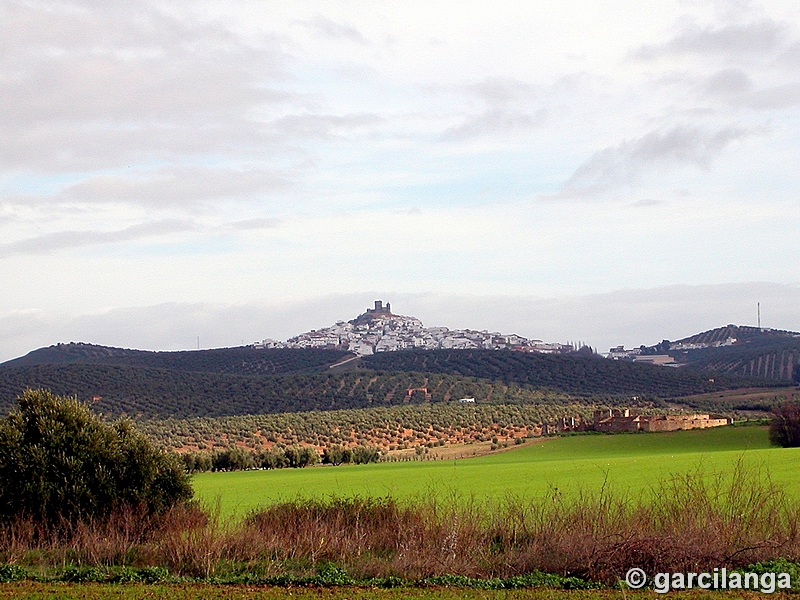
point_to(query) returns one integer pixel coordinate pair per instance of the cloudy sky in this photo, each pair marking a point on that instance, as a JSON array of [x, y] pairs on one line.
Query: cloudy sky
[[614, 172]]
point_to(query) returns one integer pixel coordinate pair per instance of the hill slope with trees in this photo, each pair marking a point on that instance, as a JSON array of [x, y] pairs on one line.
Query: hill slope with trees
[[760, 353], [581, 375], [156, 393], [241, 360], [246, 380], [488, 376]]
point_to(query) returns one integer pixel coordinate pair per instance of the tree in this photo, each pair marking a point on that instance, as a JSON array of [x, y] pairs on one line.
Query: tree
[[59, 461], [300, 456], [336, 455], [784, 430], [233, 459]]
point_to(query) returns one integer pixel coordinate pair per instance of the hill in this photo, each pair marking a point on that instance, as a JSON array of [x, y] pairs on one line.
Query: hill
[[488, 376], [580, 375], [243, 360], [742, 351], [247, 380], [142, 392]]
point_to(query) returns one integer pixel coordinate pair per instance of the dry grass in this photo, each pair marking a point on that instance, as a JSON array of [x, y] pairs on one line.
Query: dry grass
[[691, 523]]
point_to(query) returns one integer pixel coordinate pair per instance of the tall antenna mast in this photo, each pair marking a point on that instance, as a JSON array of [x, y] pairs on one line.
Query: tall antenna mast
[[759, 315]]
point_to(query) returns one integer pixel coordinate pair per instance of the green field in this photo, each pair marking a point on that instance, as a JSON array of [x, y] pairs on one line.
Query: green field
[[625, 463], [40, 591]]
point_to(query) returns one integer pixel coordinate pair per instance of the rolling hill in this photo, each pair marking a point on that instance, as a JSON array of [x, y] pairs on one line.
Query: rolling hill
[[580, 375], [141, 392], [241, 360], [238, 381], [742, 351]]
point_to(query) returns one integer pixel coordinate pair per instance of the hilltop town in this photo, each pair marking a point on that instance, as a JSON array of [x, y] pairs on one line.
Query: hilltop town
[[380, 330]]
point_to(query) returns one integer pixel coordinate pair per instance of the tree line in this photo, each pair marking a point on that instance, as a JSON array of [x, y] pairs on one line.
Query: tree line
[[289, 457]]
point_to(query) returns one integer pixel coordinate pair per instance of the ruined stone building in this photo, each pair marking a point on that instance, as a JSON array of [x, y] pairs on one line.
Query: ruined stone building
[[614, 420]]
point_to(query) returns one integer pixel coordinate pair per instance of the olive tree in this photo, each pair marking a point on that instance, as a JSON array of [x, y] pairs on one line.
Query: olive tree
[[59, 461]]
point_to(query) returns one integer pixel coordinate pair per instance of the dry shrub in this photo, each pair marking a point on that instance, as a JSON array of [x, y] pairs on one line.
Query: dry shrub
[[190, 541], [691, 522]]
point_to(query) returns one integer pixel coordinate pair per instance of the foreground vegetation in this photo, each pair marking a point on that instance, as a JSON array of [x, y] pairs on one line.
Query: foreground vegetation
[[246, 592], [58, 461], [582, 537], [687, 524]]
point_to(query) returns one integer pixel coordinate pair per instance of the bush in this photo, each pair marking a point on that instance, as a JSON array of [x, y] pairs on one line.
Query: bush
[[9, 573], [784, 429], [59, 462]]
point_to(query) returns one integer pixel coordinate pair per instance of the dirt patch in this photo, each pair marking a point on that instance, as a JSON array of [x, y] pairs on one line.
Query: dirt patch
[[458, 451]]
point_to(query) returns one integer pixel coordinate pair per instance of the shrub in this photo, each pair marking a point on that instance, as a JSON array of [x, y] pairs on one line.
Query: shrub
[[10, 573], [784, 429], [59, 461]]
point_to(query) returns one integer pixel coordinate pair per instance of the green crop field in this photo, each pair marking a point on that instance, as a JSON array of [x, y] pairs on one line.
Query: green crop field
[[624, 463]]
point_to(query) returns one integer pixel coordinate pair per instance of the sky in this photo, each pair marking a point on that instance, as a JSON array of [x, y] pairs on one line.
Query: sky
[[616, 173]]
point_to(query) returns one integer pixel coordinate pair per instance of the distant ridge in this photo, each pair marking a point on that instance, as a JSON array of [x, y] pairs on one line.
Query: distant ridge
[[240, 360], [743, 351], [234, 381], [739, 332]]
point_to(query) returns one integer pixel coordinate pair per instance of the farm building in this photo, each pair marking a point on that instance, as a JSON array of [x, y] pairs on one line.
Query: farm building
[[623, 420]]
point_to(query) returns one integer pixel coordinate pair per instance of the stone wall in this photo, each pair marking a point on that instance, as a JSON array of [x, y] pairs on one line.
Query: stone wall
[[618, 421]]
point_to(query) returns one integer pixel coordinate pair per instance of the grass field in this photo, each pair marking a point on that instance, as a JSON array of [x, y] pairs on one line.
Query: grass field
[[39, 591], [625, 463]]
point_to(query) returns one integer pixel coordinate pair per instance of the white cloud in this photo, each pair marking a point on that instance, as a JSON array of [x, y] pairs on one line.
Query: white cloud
[[494, 123], [179, 186], [65, 240], [624, 163], [327, 28], [734, 40], [88, 85], [212, 153]]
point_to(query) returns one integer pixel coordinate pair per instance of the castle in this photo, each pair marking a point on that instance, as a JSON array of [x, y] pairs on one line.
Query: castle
[[379, 309]]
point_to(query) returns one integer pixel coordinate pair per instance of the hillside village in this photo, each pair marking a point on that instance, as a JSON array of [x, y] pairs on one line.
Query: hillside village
[[380, 330]]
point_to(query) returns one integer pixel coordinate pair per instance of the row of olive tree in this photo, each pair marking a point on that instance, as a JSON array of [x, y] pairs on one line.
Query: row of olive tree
[[359, 455], [293, 457], [239, 459]]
